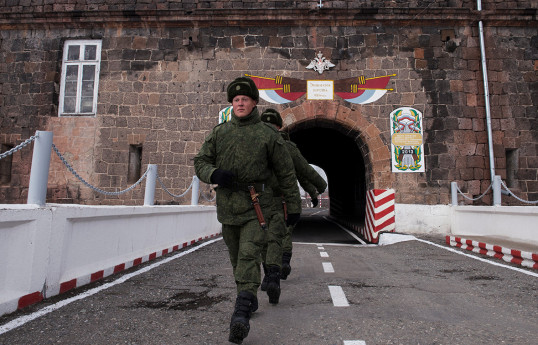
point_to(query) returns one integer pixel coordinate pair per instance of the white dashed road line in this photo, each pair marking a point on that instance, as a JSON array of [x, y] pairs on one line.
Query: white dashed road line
[[338, 296], [328, 267], [337, 293]]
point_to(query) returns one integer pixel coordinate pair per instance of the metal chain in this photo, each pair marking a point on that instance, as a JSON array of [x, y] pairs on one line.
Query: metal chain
[[466, 197], [18, 147], [512, 194], [91, 186], [167, 191], [207, 199]]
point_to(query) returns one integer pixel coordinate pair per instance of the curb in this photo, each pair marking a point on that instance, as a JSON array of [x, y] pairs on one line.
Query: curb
[[38, 296], [518, 257]]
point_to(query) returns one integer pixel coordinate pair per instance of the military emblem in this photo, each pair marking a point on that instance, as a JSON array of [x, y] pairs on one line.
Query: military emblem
[[320, 64], [225, 114], [407, 143]]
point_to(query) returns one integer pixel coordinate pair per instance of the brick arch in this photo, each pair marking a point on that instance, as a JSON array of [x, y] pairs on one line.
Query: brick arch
[[366, 134]]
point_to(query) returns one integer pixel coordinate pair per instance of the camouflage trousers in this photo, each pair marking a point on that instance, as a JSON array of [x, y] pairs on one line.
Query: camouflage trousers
[[287, 244], [245, 244], [272, 249]]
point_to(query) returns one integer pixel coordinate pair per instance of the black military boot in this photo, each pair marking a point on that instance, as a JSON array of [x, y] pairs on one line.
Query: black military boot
[[263, 287], [254, 305], [239, 326], [273, 284], [286, 268]]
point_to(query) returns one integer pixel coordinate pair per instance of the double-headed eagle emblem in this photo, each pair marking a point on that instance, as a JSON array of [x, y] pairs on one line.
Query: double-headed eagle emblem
[[320, 64]]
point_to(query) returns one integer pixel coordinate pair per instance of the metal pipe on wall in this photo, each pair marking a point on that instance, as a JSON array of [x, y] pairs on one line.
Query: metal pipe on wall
[[486, 95]]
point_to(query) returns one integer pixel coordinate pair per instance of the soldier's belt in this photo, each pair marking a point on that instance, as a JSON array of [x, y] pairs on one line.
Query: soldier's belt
[[257, 208], [237, 186]]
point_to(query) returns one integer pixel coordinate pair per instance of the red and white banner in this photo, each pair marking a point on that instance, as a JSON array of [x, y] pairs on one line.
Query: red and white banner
[[380, 215]]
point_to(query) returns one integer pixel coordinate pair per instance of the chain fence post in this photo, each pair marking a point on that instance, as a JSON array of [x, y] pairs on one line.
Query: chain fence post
[[151, 178], [39, 172], [496, 190], [454, 193], [195, 190]]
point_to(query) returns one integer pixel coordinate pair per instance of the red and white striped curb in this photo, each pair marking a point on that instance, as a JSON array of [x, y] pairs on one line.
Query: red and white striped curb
[[37, 296], [380, 213], [525, 259]]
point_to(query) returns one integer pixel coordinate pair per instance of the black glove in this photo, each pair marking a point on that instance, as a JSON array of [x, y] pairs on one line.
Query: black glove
[[224, 178], [314, 202], [293, 218]]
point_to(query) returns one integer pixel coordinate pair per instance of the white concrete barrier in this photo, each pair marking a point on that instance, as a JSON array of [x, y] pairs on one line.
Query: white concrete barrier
[[514, 223], [24, 254], [48, 250], [423, 219]]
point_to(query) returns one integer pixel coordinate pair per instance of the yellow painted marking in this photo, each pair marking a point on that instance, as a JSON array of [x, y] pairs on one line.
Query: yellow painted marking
[[371, 88], [390, 75], [248, 75]]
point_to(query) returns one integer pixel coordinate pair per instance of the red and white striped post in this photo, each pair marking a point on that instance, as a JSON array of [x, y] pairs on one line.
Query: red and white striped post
[[380, 214]]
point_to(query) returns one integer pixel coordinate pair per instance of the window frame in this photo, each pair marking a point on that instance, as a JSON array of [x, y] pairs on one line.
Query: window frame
[[80, 63]]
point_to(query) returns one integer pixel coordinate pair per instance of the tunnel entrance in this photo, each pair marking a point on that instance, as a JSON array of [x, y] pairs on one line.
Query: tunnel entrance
[[336, 149]]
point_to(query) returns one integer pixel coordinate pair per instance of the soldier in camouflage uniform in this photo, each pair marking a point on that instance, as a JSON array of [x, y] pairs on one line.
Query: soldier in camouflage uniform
[[310, 181], [237, 154], [272, 249]]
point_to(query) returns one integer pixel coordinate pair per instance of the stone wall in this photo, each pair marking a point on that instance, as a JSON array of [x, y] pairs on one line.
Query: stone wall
[[38, 6], [161, 86]]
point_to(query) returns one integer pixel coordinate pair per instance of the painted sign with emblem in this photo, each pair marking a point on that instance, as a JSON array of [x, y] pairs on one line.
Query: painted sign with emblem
[[225, 114], [357, 90], [407, 140]]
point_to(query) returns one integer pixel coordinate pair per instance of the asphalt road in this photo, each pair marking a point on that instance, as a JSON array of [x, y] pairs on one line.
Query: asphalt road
[[411, 292]]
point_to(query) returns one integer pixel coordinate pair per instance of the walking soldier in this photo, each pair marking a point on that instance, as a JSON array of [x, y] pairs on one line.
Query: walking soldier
[[308, 178], [240, 156]]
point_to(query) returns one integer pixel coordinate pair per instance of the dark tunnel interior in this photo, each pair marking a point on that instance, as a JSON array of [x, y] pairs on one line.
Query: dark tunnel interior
[[336, 152]]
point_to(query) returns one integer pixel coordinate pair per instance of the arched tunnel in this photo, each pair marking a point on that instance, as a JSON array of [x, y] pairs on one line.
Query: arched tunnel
[[336, 149]]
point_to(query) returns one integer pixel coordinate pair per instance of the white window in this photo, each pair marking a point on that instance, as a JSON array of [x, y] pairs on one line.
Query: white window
[[80, 77]]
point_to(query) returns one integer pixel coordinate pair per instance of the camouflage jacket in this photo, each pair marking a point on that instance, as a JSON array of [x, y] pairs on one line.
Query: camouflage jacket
[[253, 151], [308, 177]]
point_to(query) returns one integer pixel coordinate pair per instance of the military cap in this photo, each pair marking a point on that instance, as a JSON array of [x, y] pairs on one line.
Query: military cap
[[272, 116], [243, 86]]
